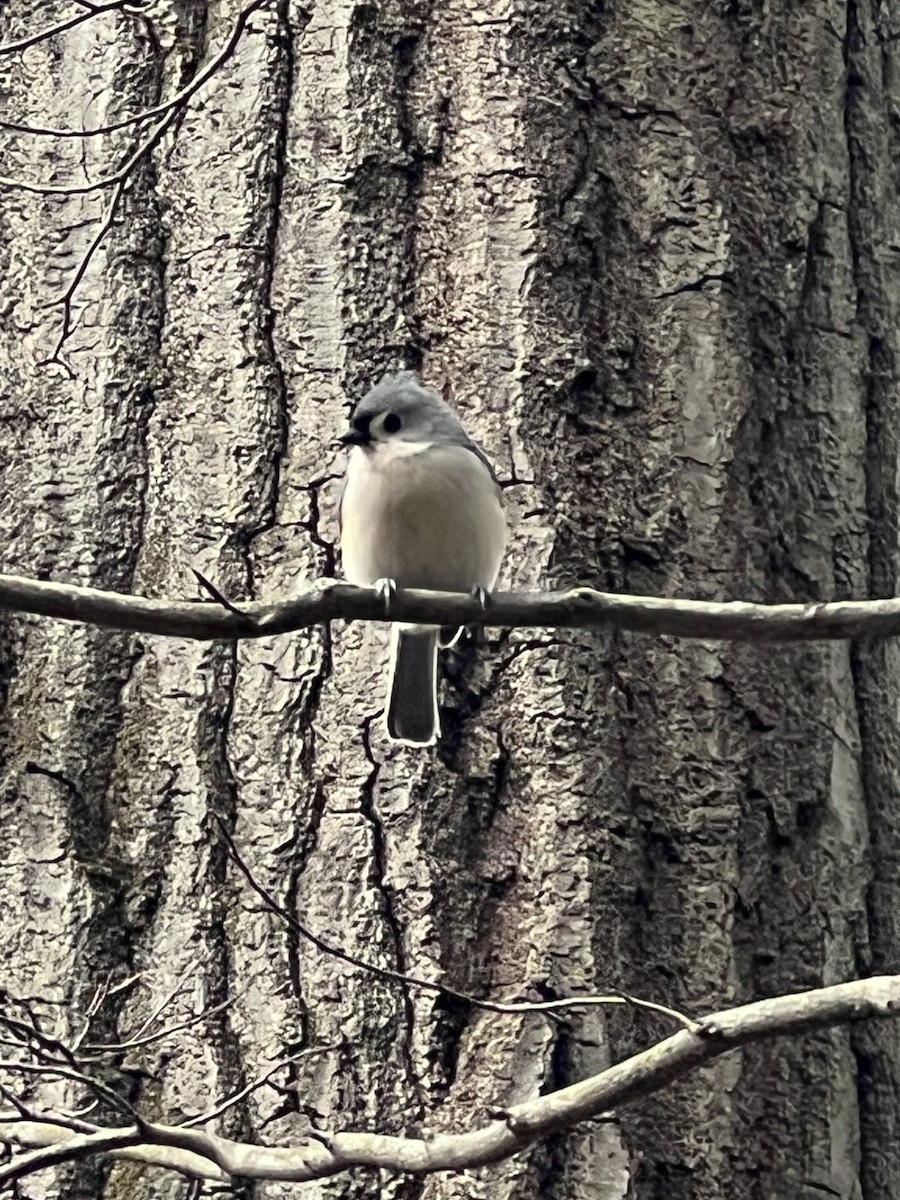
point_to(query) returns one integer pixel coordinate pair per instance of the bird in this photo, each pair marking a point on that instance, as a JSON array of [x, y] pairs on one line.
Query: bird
[[420, 507]]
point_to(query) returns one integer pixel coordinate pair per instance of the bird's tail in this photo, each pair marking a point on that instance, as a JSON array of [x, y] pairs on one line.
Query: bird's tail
[[412, 711]]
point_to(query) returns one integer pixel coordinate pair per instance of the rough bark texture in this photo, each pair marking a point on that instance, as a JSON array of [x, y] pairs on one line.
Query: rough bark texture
[[651, 252]]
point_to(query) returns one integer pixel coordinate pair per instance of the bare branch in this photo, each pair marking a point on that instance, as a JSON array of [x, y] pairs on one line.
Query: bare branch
[[504, 1007], [69, 295], [178, 101], [513, 1128], [160, 1034], [50, 31], [171, 109], [254, 1085], [581, 608], [43, 1134]]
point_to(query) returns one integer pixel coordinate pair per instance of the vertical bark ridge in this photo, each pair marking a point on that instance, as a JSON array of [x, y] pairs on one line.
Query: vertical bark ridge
[[870, 100]]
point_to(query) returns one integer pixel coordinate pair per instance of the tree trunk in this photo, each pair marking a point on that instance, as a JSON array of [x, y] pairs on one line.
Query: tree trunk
[[650, 252]]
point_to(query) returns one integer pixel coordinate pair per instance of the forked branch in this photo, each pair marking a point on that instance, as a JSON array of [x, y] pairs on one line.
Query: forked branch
[[207, 1155]]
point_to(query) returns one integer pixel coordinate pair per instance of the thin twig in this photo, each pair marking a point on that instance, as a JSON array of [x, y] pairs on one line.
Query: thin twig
[[69, 295], [28, 1033], [24, 1112], [101, 994], [507, 1008], [161, 1034], [216, 594], [76, 1117], [179, 100], [170, 109], [688, 1022], [169, 997], [51, 31], [59, 1072], [120, 176], [255, 1084]]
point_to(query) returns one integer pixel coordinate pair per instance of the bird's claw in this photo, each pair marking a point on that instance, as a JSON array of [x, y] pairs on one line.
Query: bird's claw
[[387, 590], [482, 595]]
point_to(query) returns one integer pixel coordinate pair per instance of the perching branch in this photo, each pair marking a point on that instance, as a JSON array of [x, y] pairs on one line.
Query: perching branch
[[581, 608], [511, 1129]]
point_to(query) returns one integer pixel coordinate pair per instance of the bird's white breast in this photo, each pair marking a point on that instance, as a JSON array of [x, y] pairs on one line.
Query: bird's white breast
[[422, 514]]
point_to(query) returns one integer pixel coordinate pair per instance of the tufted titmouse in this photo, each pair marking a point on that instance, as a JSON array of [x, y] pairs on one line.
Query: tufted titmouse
[[420, 508]]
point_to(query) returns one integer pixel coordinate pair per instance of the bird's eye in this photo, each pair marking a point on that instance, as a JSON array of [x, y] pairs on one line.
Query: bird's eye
[[392, 423]]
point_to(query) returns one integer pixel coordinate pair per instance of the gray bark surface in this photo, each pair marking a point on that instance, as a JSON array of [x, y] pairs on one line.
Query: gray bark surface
[[651, 252]]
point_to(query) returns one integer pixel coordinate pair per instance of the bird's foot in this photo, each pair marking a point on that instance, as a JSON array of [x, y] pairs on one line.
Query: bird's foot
[[482, 595], [387, 590]]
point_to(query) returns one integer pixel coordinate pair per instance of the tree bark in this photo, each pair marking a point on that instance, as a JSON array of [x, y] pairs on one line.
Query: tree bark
[[650, 252]]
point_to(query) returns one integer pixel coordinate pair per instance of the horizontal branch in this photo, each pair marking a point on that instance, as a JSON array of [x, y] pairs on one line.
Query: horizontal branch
[[510, 1131], [581, 608]]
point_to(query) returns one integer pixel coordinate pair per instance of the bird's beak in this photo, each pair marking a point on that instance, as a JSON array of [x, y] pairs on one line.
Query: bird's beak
[[353, 437]]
